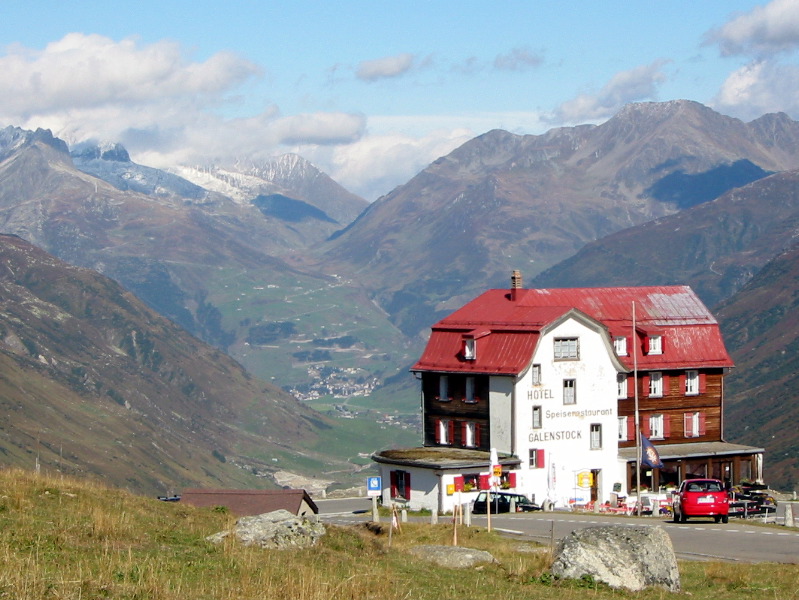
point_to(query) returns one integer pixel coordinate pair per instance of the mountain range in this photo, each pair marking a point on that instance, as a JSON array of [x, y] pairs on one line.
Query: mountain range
[[308, 286]]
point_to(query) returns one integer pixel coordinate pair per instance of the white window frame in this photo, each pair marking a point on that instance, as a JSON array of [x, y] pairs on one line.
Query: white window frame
[[596, 436], [655, 344], [694, 428], [533, 464], [569, 391], [536, 375], [621, 386], [655, 384], [538, 417], [471, 434], [692, 383], [656, 430], [622, 429], [443, 432], [620, 345], [567, 348], [470, 349]]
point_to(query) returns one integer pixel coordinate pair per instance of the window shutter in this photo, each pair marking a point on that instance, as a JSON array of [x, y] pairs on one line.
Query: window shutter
[[630, 428], [539, 458], [645, 381], [688, 424], [464, 426], [484, 482], [451, 432], [663, 344], [647, 429], [702, 424], [393, 477], [477, 435], [702, 383], [683, 384], [664, 380], [512, 479], [666, 426], [459, 483], [437, 425], [630, 386], [407, 485], [646, 345]]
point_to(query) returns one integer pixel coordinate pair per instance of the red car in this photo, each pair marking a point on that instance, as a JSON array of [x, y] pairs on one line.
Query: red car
[[701, 498]]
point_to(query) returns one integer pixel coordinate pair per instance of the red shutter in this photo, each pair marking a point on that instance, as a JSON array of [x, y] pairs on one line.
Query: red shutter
[[393, 477], [437, 425], [484, 485], [665, 381], [458, 483], [702, 383], [451, 432], [666, 426], [512, 479], [663, 344], [630, 428], [539, 458], [630, 386], [407, 485], [646, 345], [688, 424], [463, 433], [477, 435], [702, 424], [645, 382], [646, 427], [683, 384]]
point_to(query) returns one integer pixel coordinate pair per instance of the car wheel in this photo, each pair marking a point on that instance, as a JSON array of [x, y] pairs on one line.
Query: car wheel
[[725, 518], [683, 517], [717, 518], [677, 516]]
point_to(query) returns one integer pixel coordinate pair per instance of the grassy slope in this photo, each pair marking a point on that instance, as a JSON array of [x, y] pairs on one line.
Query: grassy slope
[[65, 538]]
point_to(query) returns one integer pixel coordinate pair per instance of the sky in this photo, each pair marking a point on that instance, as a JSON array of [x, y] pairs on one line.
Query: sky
[[371, 92]]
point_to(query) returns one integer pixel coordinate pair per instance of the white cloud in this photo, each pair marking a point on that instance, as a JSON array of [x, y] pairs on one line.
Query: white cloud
[[637, 84], [518, 59], [382, 68], [764, 30], [759, 87]]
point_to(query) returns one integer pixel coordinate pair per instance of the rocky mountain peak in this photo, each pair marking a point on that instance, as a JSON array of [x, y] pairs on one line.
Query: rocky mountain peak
[[101, 151], [13, 139]]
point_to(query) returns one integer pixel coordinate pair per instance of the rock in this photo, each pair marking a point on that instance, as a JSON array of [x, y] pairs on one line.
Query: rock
[[453, 557], [279, 529], [630, 557]]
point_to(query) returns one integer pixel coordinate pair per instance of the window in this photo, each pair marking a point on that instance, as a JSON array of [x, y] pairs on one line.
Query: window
[[691, 383], [656, 427], [655, 384], [443, 389], [400, 485], [655, 344], [536, 374], [470, 349], [620, 345], [621, 386], [596, 436], [444, 431], [470, 396], [536, 458], [694, 424], [537, 417], [566, 349], [622, 429], [569, 391], [470, 434]]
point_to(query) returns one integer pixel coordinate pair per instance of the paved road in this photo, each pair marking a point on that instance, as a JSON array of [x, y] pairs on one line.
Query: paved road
[[698, 539]]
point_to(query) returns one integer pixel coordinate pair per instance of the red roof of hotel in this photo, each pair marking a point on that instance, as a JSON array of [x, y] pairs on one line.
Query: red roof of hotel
[[509, 329]]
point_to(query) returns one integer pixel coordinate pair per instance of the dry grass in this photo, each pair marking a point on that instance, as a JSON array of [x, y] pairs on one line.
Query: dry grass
[[70, 539]]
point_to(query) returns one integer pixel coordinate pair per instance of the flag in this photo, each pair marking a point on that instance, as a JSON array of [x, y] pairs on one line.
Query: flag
[[649, 456]]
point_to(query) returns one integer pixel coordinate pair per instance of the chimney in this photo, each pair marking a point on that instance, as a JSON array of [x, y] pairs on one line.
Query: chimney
[[515, 283]]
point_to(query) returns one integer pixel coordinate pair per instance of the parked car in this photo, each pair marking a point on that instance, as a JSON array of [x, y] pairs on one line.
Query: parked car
[[501, 501], [701, 498]]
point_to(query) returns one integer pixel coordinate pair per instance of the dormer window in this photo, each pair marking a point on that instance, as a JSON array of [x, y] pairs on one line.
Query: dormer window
[[470, 349], [655, 344], [620, 346]]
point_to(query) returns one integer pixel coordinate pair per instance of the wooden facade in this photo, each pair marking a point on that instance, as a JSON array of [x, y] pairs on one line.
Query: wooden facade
[[458, 409]]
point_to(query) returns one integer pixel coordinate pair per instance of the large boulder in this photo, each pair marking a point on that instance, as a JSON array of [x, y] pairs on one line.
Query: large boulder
[[453, 557], [279, 529], [630, 557]]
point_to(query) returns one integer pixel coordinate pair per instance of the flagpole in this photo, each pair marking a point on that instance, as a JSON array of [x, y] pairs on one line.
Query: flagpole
[[637, 417]]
